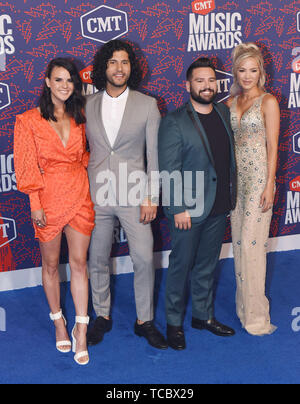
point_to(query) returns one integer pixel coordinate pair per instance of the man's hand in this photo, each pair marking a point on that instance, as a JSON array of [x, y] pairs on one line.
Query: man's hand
[[148, 211], [183, 221]]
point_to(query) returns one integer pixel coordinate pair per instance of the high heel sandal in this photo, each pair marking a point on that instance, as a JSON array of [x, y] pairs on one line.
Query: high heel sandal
[[79, 355], [61, 344]]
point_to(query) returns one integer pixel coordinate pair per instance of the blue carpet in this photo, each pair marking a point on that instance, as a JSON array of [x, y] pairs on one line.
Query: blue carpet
[[28, 354]]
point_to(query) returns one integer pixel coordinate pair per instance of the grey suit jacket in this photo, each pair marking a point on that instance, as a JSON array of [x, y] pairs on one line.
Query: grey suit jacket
[[135, 148]]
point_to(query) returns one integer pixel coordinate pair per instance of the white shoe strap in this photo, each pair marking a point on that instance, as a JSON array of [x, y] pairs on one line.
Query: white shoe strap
[[63, 343], [82, 320], [81, 355], [56, 316]]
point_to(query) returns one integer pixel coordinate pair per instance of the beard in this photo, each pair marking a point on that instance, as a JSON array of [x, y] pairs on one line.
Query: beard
[[206, 101], [116, 84]]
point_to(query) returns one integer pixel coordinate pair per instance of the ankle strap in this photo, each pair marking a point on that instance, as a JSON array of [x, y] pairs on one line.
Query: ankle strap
[[82, 320], [56, 316]]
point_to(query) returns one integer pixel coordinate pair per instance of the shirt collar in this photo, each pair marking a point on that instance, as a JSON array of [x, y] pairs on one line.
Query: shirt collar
[[122, 96]]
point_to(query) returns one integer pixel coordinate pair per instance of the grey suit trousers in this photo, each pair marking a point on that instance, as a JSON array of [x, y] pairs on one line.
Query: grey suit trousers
[[140, 241]]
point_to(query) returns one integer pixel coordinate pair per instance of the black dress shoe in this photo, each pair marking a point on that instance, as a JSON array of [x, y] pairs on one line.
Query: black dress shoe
[[213, 326], [96, 333], [175, 337], [151, 333]]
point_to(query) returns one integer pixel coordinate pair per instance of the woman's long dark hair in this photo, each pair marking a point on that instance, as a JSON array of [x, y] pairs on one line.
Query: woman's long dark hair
[[102, 57], [75, 104]]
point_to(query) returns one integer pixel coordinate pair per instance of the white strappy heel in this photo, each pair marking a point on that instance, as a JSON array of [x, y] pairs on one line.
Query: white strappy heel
[[61, 344], [79, 355]]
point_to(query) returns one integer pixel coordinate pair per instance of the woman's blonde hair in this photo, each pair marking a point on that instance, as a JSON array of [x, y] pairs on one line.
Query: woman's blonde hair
[[239, 54]]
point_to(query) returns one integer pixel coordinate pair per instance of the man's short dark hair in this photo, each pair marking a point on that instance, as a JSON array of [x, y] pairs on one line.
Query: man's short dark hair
[[102, 57], [201, 62]]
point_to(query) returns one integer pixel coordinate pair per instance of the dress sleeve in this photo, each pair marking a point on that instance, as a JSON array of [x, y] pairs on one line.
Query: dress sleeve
[[28, 175], [86, 153]]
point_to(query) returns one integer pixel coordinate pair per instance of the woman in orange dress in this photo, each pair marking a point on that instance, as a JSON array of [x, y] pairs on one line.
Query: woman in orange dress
[[50, 163]]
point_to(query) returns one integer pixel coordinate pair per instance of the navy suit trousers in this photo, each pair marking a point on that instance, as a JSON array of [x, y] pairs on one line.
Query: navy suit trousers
[[195, 255]]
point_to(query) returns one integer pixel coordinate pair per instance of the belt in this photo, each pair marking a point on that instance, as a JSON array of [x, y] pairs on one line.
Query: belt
[[63, 168]]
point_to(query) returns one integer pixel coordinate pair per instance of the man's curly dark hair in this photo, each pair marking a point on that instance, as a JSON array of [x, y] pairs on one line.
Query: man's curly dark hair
[[102, 57]]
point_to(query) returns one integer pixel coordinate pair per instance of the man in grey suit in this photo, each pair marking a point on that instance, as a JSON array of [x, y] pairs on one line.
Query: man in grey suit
[[122, 127], [197, 139]]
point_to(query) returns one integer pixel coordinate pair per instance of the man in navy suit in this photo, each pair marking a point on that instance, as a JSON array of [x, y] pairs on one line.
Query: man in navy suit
[[196, 140]]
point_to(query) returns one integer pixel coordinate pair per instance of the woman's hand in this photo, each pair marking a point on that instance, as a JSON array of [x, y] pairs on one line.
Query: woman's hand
[[267, 198], [39, 218]]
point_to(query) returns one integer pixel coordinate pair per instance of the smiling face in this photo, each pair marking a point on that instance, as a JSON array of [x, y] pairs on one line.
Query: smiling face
[[203, 85], [60, 85], [118, 70], [248, 74]]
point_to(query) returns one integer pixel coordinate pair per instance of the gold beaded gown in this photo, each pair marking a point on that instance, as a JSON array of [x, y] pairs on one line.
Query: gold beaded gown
[[250, 227]]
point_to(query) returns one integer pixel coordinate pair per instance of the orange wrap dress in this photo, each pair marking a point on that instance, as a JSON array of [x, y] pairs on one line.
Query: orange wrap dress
[[62, 191]]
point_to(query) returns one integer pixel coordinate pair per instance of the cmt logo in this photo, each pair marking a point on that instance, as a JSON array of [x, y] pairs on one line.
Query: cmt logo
[[296, 143], [295, 184], [296, 61], [104, 24], [4, 96], [85, 75], [8, 231], [88, 87], [203, 7], [224, 82]]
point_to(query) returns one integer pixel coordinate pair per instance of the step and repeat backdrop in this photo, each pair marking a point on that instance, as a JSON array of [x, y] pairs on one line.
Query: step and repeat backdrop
[[167, 35]]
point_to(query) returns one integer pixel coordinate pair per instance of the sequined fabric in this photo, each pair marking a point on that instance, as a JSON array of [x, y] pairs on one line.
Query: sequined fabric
[[250, 227], [63, 189]]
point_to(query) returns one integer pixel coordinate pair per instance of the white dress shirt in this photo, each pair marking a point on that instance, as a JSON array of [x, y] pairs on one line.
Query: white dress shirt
[[112, 114]]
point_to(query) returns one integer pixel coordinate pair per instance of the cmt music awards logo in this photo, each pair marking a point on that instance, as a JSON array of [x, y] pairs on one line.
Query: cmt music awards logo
[[104, 24], [6, 40], [294, 98], [293, 202], [210, 30], [8, 180]]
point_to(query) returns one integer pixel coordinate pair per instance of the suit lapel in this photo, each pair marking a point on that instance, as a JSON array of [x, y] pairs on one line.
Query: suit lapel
[[200, 129], [98, 118], [126, 117]]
